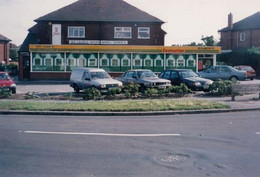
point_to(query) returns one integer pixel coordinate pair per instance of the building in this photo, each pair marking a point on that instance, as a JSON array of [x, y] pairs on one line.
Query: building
[[4, 49], [242, 34], [109, 34]]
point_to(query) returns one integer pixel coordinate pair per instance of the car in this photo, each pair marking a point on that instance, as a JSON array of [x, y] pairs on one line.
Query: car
[[188, 77], [84, 78], [145, 78], [251, 74], [223, 72], [7, 82]]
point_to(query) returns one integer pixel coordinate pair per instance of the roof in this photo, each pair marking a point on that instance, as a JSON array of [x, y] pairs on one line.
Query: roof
[[31, 38], [251, 22], [3, 38], [101, 11]]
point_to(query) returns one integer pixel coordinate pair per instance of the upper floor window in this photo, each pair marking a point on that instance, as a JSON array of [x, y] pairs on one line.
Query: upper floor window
[[143, 33], [76, 32], [123, 32], [242, 36]]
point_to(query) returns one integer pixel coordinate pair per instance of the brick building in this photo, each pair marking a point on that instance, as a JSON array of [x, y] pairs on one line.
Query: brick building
[[242, 34], [4, 49], [108, 34]]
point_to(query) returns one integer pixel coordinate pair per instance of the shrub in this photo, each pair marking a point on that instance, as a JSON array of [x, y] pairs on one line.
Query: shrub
[[112, 92], [221, 87], [132, 89], [150, 92], [91, 93], [5, 92], [180, 90]]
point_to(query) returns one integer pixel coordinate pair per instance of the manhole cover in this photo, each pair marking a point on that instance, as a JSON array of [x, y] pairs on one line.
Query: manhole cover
[[174, 160]]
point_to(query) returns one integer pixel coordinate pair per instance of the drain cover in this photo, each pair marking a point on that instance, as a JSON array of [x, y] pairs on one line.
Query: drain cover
[[174, 160]]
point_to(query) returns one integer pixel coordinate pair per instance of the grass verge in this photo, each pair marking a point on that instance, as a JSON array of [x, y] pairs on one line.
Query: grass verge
[[116, 106]]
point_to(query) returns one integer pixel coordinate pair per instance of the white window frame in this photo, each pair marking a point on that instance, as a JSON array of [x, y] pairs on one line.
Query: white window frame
[[242, 36], [143, 28], [119, 32], [76, 34]]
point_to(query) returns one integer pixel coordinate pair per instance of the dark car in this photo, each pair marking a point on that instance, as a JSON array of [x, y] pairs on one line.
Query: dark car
[[188, 77], [250, 72], [145, 78], [7, 82], [223, 72]]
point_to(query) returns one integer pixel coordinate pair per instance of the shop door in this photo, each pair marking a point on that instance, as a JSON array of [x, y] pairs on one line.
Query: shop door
[[26, 68]]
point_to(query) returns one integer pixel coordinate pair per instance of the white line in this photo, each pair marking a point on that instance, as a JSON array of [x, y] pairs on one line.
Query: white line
[[258, 133], [99, 134]]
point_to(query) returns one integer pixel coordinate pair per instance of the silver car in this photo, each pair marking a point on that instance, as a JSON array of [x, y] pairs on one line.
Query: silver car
[[145, 78], [223, 72]]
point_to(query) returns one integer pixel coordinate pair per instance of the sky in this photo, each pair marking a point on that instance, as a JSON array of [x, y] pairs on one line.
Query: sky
[[186, 21]]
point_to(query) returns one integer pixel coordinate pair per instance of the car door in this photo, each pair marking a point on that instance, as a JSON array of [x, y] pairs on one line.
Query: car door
[[130, 77], [224, 73], [85, 81], [175, 78]]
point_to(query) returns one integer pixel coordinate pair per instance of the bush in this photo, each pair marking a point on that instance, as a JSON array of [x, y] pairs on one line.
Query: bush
[[221, 87], [91, 93], [112, 93], [180, 90], [150, 92], [131, 90], [5, 92]]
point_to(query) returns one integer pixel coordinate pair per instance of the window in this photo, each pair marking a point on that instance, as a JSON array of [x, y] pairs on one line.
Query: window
[[167, 75], [143, 33], [123, 32], [76, 32], [242, 36]]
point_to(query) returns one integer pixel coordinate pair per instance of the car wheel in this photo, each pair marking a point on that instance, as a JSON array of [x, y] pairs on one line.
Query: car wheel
[[142, 88], [234, 78], [76, 88]]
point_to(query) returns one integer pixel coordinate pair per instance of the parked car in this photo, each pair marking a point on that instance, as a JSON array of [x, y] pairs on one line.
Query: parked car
[[146, 78], [223, 72], [83, 78], [7, 82], [188, 77], [250, 72]]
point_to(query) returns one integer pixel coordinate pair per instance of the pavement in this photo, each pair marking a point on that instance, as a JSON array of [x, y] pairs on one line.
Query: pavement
[[247, 102]]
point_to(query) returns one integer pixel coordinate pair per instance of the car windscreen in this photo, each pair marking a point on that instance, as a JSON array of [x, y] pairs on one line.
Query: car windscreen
[[99, 75], [142, 74], [186, 74], [4, 77]]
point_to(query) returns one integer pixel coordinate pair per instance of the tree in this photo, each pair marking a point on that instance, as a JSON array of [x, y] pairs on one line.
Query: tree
[[208, 40]]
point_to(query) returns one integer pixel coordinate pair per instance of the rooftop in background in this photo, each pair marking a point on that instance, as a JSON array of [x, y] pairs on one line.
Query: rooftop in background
[[3, 38], [251, 22], [99, 10]]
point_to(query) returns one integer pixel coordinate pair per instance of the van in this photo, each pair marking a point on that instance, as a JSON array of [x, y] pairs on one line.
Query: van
[[84, 78]]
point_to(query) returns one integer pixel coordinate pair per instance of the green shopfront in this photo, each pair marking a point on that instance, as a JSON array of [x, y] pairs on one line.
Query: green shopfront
[[55, 62]]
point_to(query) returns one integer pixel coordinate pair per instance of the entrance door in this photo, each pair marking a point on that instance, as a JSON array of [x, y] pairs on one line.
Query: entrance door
[[26, 68]]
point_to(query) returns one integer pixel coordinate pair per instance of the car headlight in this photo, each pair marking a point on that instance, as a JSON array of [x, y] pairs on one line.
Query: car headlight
[[102, 86], [197, 84]]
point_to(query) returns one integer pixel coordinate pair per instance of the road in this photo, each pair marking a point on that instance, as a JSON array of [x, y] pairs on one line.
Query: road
[[219, 145]]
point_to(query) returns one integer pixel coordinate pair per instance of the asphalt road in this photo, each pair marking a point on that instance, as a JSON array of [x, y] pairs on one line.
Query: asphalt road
[[219, 145]]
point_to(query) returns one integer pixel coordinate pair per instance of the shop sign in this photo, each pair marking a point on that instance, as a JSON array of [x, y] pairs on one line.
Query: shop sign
[[98, 42]]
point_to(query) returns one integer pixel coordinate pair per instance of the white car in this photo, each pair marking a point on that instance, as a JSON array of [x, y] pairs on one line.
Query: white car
[[84, 78]]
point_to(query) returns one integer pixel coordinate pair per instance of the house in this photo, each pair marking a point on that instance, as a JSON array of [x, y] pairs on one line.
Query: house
[[4, 49], [108, 34], [242, 34]]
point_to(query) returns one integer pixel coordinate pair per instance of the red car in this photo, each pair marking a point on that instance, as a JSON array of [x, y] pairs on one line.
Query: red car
[[250, 72], [7, 82]]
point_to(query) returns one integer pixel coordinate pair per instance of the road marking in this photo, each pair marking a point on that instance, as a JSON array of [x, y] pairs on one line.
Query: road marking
[[258, 133], [99, 134]]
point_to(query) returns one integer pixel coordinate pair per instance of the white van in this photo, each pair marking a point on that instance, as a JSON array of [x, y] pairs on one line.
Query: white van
[[83, 78]]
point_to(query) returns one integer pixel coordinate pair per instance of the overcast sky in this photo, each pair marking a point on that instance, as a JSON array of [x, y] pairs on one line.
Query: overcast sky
[[186, 20]]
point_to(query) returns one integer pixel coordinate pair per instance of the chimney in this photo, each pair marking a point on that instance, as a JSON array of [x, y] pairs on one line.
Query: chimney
[[230, 21]]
